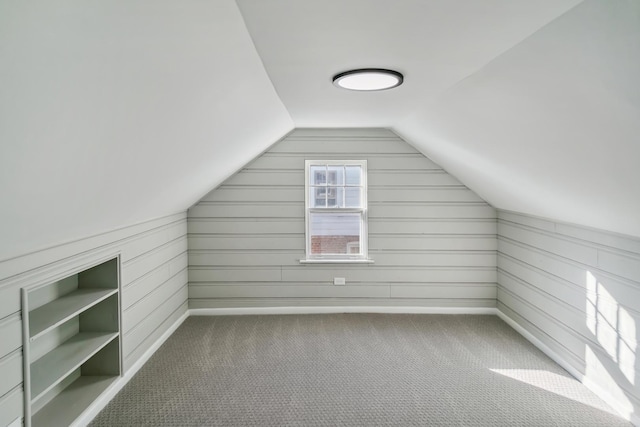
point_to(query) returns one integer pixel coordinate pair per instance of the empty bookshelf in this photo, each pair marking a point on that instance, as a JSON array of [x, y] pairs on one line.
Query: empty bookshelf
[[72, 343]]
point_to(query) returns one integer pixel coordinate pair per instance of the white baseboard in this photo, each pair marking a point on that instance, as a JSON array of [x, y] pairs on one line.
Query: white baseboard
[[16, 423], [618, 406], [339, 309], [90, 413], [541, 346]]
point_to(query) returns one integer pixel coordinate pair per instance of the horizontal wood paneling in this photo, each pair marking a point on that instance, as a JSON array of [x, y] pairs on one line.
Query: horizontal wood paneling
[[376, 195], [11, 406], [266, 226], [270, 257], [337, 144], [448, 291], [235, 274], [154, 299], [438, 242], [432, 226], [403, 178], [578, 291], [388, 275], [246, 242], [138, 267], [432, 239], [10, 334], [409, 195], [575, 318], [422, 211], [442, 291], [342, 302], [141, 287], [281, 291], [153, 270], [314, 273], [155, 335], [11, 367], [245, 210], [136, 336], [380, 162], [235, 226], [549, 243]]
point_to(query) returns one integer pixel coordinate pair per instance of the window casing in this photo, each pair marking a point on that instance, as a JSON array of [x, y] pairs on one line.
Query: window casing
[[336, 210]]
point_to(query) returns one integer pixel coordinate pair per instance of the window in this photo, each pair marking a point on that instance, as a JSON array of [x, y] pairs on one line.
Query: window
[[336, 210]]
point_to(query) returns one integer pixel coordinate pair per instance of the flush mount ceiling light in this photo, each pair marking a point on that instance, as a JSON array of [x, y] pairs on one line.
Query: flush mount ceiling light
[[368, 79]]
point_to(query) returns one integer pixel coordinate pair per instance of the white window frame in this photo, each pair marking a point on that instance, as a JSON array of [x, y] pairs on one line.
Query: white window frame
[[363, 257]]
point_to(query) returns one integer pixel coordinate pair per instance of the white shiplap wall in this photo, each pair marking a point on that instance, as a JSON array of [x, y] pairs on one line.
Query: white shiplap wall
[[154, 292], [577, 291], [432, 239]]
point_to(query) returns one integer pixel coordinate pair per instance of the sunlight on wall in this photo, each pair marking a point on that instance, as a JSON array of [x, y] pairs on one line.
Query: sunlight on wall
[[597, 375], [612, 326], [562, 385]]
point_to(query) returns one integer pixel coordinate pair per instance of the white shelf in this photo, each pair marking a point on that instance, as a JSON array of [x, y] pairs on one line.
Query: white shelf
[[72, 401], [72, 346], [53, 367], [50, 315]]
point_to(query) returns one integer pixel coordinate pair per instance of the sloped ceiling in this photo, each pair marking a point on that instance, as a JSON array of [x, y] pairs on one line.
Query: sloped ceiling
[[552, 126], [116, 112], [532, 104], [434, 43]]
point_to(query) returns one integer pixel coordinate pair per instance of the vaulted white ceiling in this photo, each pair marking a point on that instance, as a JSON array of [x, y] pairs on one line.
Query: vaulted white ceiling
[[116, 112], [434, 43]]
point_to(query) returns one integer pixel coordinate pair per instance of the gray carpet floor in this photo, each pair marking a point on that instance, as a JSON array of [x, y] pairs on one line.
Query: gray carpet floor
[[352, 370]]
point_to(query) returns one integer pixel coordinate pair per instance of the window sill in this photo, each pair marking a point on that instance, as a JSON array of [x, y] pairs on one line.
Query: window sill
[[336, 261]]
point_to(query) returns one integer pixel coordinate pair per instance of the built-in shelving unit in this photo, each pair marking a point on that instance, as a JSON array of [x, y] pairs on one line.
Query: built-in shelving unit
[[72, 343]]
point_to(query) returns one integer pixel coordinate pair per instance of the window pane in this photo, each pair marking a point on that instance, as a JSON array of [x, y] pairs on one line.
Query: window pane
[[335, 233], [335, 175], [318, 175], [335, 197], [353, 175], [353, 197], [317, 197]]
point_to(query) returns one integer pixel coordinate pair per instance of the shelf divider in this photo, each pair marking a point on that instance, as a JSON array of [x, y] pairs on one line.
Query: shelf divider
[[50, 315], [53, 367], [72, 401]]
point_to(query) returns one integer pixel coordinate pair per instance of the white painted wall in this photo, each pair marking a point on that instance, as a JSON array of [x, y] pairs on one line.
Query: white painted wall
[[113, 113], [577, 290], [154, 292], [432, 239]]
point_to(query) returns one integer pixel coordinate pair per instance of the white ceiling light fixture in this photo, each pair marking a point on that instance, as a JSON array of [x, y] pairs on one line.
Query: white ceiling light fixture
[[368, 79]]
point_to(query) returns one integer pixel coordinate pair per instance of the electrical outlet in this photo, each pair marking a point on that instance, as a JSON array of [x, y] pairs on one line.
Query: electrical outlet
[[339, 281]]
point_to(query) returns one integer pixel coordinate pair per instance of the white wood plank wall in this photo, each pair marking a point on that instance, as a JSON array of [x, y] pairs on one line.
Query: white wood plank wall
[[154, 291], [432, 239], [578, 291]]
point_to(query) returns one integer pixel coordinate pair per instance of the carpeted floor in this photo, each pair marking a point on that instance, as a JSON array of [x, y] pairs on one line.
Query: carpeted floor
[[352, 370]]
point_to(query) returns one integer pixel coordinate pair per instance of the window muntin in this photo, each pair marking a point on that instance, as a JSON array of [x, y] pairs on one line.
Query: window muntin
[[336, 209]]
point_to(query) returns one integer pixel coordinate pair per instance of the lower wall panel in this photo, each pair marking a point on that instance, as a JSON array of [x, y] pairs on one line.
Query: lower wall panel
[[317, 290], [435, 303], [155, 334], [352, 274], [153, 283], [10, 334], [11, 406], [577, 290]]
